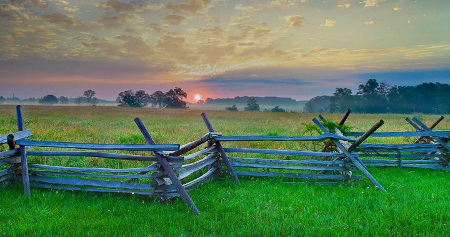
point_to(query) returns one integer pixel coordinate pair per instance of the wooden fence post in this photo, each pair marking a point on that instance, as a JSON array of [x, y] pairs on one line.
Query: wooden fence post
[[355, 160], [23, 155], [222, 152], [167, 168]]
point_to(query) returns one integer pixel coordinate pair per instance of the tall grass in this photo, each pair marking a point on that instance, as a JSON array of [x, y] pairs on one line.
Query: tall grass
[[417, 202]]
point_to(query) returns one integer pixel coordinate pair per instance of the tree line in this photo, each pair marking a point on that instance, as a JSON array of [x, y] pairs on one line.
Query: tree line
[[174, 98], [375, 97], [252, 105]]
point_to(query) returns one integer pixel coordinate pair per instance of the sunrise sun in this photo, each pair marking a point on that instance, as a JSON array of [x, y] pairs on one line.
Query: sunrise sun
[[197, 97]]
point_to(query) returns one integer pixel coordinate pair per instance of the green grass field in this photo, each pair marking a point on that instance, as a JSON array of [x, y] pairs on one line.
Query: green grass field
[[417, 201]]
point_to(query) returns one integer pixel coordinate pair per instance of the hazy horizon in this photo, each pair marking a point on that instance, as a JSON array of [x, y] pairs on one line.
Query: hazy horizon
[[219, 49]]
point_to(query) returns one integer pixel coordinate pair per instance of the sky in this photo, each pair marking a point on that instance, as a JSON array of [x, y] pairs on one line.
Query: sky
[[287, 48]]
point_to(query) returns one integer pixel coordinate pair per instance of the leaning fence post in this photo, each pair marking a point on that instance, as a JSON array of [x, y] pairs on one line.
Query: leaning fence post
[[167, 168], [222, 152], [23, 155], [355, 160]]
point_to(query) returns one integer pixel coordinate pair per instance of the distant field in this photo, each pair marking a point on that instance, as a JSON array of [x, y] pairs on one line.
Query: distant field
[[417, 202]]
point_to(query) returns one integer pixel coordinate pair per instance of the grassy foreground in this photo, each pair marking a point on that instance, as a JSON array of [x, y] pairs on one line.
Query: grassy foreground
[[417, 202]]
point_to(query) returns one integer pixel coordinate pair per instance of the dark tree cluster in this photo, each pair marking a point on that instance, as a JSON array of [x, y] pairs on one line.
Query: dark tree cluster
[[252, 105], [318, 104], [374, 97], [232, 108], [49, 100], [88, 97], [174, 98]]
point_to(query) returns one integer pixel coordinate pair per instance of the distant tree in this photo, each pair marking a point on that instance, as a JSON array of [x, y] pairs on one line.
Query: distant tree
[[2, 99], [341, 100], [200, 101], [318, 104], [127, 99], [232, 108], [157, 98], [278, 109], [49, 99], [89, 94], [252, 105], [373, 97], [79, 100], [31, 100], [63, 100], [130, 99], [174, 98], [142, 98]]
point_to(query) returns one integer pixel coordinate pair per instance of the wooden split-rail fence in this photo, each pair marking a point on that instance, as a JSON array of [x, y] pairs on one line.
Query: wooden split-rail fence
[[430, 149], [167, 171]]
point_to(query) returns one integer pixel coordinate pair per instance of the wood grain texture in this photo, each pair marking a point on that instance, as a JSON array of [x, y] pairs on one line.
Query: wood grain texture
[[282, 138], [92, 146], [404, 134], [283, 152], [89, 189], [17, 136], [153, 167], [286, 167], [81, 175], [188, 169], [176, 159], [9, 153], [198, 153], [294, 162], [89, 182], [200, 180]]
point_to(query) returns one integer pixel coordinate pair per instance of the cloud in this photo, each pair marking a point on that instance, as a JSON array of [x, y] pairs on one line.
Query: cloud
[[344, 5], [30, 3], [258, 80], [60, 19], [410, 77], [114, 20], [372, 22], [248, 9], [134, 45], [119, 6], [174, 19], [371, 3], [189, 6], [329, 22], [283, 3], [397, 8], [294, 20], [216, 30]]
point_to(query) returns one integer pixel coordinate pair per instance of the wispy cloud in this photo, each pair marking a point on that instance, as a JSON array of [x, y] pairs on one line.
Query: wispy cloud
[[294, 20]]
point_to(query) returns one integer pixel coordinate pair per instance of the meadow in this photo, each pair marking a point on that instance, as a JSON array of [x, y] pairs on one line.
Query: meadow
[[417, 201]]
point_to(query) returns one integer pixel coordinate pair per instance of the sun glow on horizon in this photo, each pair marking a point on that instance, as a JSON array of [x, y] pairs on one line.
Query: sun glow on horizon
[[197, 97]]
